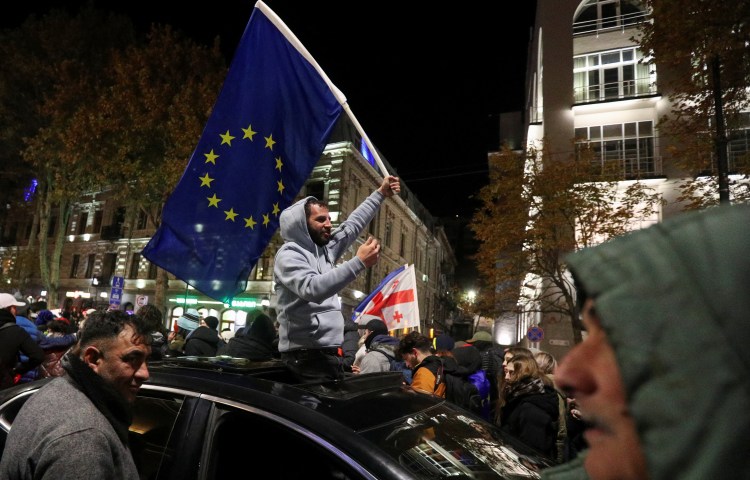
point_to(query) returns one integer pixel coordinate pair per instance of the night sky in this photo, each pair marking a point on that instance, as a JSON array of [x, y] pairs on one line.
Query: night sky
[[425, 80]]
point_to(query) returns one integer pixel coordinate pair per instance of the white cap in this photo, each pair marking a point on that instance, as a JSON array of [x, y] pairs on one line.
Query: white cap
[[6, 300]]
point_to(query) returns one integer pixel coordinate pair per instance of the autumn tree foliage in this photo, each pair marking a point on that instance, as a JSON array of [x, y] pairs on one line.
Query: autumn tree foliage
[[146, 121], [51, 66], [701, 55], [89, 105], [534, 212]]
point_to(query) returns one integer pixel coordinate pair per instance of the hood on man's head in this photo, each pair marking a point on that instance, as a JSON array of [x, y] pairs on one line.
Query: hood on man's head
[[262, 328], [7, 300], [212, 322], [189, 320], [672, 299], [468, 357], [480, 336], [293, 225]]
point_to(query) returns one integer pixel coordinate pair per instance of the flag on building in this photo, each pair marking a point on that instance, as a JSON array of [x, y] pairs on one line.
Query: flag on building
[[267, 130], [395, 301]]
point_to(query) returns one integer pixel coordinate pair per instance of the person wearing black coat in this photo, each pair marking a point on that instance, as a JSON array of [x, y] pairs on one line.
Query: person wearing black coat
[[351, 343], [204, 340], [256, 341], [530, 408]]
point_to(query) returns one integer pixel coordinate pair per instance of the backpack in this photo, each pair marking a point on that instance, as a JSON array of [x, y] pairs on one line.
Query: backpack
[[471, 393], [396, 365]]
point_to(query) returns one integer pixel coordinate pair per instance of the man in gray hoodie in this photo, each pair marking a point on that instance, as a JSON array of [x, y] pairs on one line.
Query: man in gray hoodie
[[307, 280], [662, 379]]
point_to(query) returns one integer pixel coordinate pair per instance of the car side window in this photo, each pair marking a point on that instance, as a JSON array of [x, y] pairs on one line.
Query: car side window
[[154, 416], [284, 450]]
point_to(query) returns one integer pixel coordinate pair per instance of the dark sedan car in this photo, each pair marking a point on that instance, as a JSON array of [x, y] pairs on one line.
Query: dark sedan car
[[201, 418]]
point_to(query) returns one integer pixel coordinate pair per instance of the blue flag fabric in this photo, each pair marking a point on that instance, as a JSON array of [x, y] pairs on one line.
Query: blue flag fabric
[[266, 132]]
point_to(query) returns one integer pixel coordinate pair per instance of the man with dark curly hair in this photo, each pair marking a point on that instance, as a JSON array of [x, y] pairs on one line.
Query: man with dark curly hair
[[76, 426]]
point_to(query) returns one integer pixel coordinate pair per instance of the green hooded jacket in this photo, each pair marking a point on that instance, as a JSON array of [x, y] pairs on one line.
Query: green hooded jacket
[[674, 300]]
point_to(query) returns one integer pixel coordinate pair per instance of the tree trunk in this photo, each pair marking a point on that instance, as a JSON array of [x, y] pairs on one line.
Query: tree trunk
[[54, 261]]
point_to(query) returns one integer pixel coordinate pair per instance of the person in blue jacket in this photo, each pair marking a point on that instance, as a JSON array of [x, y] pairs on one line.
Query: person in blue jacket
[[44, 341]]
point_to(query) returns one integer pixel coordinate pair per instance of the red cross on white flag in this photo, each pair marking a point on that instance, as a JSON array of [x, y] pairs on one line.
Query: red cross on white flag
[[395, 301]]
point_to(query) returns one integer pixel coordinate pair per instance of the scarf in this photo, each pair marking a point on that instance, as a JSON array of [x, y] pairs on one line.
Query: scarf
[[525, 386], [104, 397]]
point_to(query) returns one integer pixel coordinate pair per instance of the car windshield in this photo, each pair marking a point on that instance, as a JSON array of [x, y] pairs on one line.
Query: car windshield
[[444, 442]]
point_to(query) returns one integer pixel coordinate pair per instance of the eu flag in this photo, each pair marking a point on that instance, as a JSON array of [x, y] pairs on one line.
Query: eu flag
[[265, 134]]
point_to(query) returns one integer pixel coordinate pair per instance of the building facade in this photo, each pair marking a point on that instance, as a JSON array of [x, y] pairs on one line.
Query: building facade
[[103, 241], [586, 84]]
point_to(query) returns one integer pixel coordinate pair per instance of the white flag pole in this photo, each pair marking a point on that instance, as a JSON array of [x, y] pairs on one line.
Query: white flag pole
[[366, 139], [336, 92]]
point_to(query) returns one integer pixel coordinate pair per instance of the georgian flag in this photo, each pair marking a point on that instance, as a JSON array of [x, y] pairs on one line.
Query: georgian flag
[[395, 301]]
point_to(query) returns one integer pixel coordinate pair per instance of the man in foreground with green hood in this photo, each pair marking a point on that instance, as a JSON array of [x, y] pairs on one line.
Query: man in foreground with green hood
[[663, 376]]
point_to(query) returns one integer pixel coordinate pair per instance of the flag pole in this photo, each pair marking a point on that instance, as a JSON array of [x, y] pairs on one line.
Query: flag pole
[[336, 92], [365, 138]]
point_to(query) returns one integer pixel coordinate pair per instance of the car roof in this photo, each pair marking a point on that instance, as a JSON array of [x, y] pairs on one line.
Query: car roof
[[360, 402]]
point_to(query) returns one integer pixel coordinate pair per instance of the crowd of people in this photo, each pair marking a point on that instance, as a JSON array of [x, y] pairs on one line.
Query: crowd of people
[[620, 404]]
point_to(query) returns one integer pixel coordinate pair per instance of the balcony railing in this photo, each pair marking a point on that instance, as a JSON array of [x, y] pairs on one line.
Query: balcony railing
[[600, 25], [630, 168], [614, 90]]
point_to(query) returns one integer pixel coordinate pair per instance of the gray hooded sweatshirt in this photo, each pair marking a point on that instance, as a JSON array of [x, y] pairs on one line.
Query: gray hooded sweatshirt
[[307, 279], [674, 300]]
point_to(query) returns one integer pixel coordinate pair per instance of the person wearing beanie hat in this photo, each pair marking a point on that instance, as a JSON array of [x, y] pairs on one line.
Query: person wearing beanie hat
[[43, 317], [309, 272], [185, 325], [444, 343], [189, 320]]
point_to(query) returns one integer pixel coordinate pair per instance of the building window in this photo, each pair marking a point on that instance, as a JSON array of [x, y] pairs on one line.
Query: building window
[[388, 229], [622, 149], [83, 219], [316, 188], [612, 75], [142, 220], [402, 244], [74, 266], [152, 270], [597, 15], [263, 270], [98, 216], [738, 146], [90, 265], [135, 263]]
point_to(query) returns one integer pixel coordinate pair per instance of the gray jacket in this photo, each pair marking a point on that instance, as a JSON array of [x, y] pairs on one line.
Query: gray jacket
[[59, 433], [307, 279], [374, 361]]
